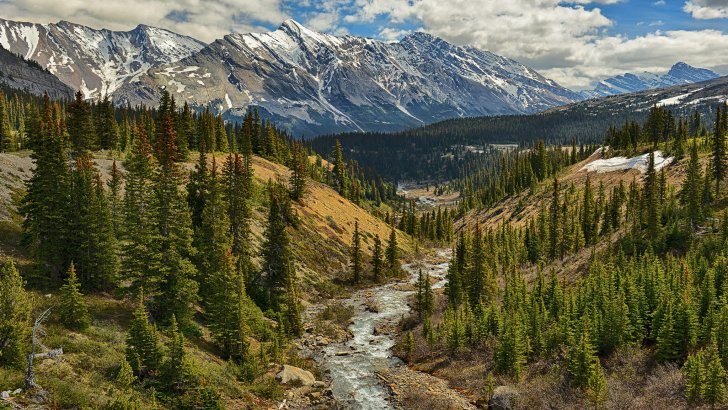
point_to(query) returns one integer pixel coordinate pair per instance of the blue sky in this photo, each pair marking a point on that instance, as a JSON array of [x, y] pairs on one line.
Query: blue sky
[[576, 42]]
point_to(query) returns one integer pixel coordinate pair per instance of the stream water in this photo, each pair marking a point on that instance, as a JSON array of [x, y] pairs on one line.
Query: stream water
[[353, 365]]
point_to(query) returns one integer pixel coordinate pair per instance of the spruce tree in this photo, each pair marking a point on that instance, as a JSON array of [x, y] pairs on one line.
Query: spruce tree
[[73, 309], [694, 375], [45, 205], [356, 258], [392, 253], [237, 175], [718, 161], [177, 373], [298, 172], [582, 361], [143, 350], [714, 391], [692, 189], [15, 307], [377, 262]]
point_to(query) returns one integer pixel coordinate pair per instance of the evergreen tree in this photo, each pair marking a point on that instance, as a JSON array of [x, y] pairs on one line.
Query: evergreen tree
[[356, 259], [339, 170], [714, 392], [177, 373], [143, 349], [80, 126], [115, 208], [718, 162], [15, 306], [582, 362], [512, 348], [392, 253], [651, 196], [45, 205], [554, 224], [377, 259], [694, 375], [298, 172], [692, 189], [73, 309]]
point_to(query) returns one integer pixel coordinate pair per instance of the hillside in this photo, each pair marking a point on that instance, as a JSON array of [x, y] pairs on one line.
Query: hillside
[[20, 74], [84, 375], [321, 242]]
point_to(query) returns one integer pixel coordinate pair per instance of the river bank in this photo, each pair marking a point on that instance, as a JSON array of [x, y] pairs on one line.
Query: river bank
[[358, 365]]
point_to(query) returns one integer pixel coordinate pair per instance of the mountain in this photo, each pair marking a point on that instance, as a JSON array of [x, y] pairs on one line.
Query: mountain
[[680, 73], [314, 83], [18, 73], [96, 62]]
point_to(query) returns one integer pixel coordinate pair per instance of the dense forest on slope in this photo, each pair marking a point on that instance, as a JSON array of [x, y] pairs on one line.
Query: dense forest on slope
[[421, 153], [566, 302], [168, 287]]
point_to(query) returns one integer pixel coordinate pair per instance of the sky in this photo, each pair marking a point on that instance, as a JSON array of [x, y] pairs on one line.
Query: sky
[[575, 43]]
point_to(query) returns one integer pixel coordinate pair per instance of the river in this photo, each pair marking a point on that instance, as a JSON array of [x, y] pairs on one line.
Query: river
[[352, 366]]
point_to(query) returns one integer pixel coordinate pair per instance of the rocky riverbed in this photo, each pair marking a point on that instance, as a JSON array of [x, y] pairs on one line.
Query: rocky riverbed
[[360, 369]]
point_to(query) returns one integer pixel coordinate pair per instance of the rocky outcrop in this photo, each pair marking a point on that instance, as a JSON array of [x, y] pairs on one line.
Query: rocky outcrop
[[295, 376], [17, 73], [504, 398]]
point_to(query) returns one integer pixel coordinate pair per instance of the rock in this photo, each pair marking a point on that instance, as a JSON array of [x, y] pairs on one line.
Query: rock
[[17, 391], [5, 395], [343, 353], [295, 375], [318, 384], [504, 398]]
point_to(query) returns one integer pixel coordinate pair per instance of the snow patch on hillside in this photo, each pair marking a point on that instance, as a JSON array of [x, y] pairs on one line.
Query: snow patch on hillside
[[639, 163]]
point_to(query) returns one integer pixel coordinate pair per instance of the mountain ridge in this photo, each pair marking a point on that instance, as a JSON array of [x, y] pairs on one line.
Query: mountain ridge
[[679, 73]]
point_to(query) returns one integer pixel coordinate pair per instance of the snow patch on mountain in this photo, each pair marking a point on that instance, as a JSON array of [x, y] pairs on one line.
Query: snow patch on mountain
[[640, 163]]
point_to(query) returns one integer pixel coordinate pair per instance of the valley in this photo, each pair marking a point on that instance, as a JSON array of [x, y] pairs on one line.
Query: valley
[[356, 205]]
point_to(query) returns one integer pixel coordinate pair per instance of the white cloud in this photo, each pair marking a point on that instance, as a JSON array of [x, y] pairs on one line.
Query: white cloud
[[392, 34], [205, 20], [565, 41], [707, 9]]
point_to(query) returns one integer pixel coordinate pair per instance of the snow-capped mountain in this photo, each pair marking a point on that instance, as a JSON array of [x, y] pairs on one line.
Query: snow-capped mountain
[[96, 62], [316, 83], [680, 73]]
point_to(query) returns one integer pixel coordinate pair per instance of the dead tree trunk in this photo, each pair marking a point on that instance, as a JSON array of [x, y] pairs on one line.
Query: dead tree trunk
[[37, 331]]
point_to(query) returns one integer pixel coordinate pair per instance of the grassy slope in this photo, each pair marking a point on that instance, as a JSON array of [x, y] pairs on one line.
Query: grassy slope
[[83, 377]]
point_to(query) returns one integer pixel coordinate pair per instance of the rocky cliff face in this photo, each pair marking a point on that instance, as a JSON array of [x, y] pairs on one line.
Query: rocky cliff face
[[17, 73]]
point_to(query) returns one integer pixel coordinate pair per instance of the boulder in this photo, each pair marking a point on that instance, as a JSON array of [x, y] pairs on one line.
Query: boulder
[[295, 376], [504, 398]]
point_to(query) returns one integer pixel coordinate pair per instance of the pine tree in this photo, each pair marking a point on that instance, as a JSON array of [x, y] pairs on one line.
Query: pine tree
[[73, 309], [339, 170], [392, 253], [237, 176], [15, 307], [356, 259], [115, 208], [377, 259], [125, 375], [512, 348], [694, 375], [137, 228], [45, 205], [692, 189], [175, 273], [143, 349], [718, 162], [91, 242], [298, 172], [554, 224], [80, 126], [177, 373], [668, 345], [582, 362], [651, 196], [714, 392]]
